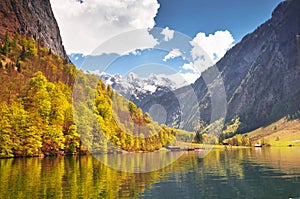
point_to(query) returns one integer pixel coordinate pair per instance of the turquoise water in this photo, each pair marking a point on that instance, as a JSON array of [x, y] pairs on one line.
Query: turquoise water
[[235, 173]]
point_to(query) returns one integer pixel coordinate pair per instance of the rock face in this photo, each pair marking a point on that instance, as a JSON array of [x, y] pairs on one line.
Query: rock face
[[270, 88], [32, 18], [261, 76]]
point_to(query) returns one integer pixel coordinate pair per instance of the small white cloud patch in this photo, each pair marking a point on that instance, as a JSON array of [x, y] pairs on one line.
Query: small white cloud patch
[[168, 34], [173, 54], [190, 67]]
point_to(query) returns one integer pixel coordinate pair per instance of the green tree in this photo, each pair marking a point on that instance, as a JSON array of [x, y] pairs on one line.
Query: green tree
[[5, 46], [132, 107], [230, 129]]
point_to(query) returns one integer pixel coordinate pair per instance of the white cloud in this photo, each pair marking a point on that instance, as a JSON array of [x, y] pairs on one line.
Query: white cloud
[[128, 42], [215, 45], [181, 78], [190, 77], [190, 66], [86, 25], [136, 52], [169, 34], [173, 54]]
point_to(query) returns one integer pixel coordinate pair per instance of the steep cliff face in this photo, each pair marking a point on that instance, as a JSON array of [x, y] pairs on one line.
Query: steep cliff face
[[32, 18], [261, 75], [270, 89]]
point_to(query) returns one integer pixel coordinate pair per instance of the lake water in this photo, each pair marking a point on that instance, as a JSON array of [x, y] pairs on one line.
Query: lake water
[[233, 173]]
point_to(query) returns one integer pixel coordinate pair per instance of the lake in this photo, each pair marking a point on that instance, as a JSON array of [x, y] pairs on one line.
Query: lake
[[232, 173]]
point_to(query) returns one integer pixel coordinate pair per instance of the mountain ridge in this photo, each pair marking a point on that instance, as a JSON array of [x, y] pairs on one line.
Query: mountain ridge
[[261, 76], [137, 89]]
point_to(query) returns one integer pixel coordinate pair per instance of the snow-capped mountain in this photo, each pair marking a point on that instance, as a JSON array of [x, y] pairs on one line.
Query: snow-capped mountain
[[137, 88], [132, 86]]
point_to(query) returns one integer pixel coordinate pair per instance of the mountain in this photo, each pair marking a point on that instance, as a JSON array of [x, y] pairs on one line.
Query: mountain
[[32, 18], [137, 89], [261, 77], [132, 86]]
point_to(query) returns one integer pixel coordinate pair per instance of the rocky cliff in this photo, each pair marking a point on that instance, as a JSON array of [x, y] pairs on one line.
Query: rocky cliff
[[261, 76], [269, 86], [32, 18]]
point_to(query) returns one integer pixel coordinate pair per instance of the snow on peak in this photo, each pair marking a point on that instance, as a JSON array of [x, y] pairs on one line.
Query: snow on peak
[[136, 88], [151, 88]]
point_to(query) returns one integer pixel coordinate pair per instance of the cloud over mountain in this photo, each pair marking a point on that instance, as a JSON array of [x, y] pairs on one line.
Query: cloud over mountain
[[215, 45]]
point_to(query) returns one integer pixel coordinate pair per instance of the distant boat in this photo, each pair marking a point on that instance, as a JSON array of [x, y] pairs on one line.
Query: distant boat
[[258, 145], [173, 148], [190, 149]]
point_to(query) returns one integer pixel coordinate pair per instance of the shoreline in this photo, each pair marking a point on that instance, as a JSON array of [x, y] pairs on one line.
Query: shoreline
[[194, 148]]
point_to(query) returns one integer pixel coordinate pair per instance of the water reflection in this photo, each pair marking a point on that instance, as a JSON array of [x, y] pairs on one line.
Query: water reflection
[[244, 173], [139, 162]]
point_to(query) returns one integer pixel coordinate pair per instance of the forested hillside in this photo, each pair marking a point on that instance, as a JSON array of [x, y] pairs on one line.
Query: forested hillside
[[37, 113], [105, 119]]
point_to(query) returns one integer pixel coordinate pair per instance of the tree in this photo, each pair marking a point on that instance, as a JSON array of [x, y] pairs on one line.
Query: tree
[[32, 49], [230, 129], [132, 107], [6, 143], [53, 140], [5, 46], [147, 118], [110, 91]]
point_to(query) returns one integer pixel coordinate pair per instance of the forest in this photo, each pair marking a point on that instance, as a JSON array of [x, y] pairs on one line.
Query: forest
[[48, 107]]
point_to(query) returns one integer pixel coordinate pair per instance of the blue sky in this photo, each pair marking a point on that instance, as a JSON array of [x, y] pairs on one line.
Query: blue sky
[[192, 16], [154, 33], [85, 25]]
